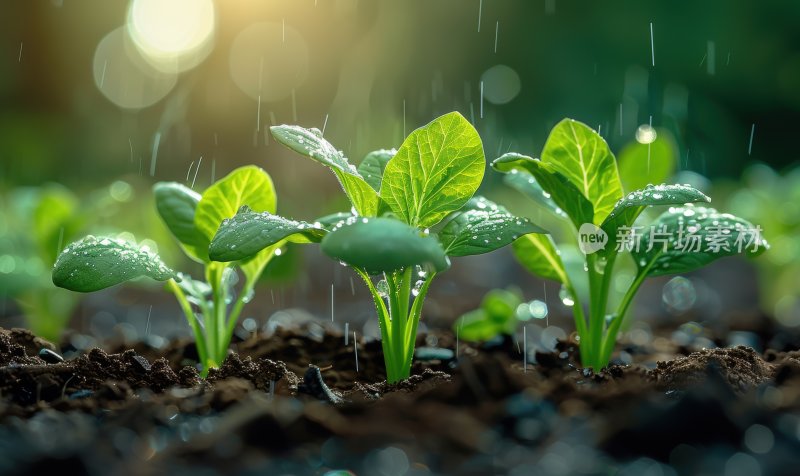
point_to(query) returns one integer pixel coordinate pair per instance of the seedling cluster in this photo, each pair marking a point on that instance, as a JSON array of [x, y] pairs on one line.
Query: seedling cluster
[[413, 209]]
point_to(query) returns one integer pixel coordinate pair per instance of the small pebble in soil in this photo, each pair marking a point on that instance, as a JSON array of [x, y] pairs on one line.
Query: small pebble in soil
[[80, 394], [50, 357], [427, 354], [141, 363]]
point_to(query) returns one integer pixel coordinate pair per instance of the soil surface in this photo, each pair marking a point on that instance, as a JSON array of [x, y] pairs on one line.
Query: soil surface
[[295, 403]]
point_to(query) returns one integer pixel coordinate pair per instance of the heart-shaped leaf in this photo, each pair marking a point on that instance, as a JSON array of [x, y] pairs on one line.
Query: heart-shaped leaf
[[481, 227], [538, 254], [249, 232], [95, 263], [379, 245], [176, 205], [686, 238], [629, 207], [310, 143], [563, 192], [371, 168], [581, 155], [434, 172], [247, 185]]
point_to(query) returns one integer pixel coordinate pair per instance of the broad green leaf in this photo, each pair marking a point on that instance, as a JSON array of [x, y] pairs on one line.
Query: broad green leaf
[[481, 227], [522, 181], [436, 170], [538, 254], [379, 245], [629, 207], [176, 205], [643, 164], [371, 168], [247, 185], [686, 238], [249, 232], [563, 192], [581, 155], [54, 219], [309, 142], [95, 263]]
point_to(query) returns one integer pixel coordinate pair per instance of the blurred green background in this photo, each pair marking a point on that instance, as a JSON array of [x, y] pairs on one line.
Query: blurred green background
[[83, 105]]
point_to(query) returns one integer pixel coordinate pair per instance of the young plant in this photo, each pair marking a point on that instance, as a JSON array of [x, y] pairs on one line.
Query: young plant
[[414, 209], [95, 263], [577, 179], [500, 313]]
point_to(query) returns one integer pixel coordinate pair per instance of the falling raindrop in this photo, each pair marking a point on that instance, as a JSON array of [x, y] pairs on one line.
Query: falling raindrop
[[566, 296]]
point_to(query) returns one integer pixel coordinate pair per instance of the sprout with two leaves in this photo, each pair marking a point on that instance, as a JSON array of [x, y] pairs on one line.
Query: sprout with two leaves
[[414, 209]]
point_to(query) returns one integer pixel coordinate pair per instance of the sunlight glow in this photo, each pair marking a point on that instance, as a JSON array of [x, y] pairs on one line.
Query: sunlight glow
[[174, 35]]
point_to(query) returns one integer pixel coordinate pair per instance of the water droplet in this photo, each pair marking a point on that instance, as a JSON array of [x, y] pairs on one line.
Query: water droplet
[[383, 288], [566, 297], [417, 287]]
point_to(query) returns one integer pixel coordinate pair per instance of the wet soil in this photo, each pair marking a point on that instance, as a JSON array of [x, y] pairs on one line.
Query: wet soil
[[295, 403]]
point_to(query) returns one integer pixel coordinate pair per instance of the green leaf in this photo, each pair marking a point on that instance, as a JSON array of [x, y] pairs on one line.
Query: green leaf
[[497, 315], [563, 192], [371, 168], [643, 164], [176, 205], [247, 185], [328, 221], [689, 237], [538, 254], [581, 155], [522, 181], [481, 227], [249, 232], [436, 170], [379, 245], [310, 143], [629, 207], [95, 263]]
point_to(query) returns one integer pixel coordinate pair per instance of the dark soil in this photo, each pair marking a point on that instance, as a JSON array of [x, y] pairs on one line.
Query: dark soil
[[293, 403]]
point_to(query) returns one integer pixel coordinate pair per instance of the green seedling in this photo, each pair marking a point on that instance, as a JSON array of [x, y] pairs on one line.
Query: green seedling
[[577, 179], [95, 263], [500, 313], [414, 208]]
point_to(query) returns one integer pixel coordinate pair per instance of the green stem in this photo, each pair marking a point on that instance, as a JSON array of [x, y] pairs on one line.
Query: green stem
[[186, 307], [411, 330], [397, 326], [622, 309], [383, 320], [236, 311], [596, 312]]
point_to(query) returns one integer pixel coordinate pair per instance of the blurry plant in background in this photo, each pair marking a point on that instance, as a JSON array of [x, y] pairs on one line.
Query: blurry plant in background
[[772, 200], [36, 223]]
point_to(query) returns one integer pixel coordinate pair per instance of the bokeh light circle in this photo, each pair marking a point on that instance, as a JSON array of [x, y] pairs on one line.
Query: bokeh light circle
[[124, 77], [501, 84], [173, 35], [269, 60]]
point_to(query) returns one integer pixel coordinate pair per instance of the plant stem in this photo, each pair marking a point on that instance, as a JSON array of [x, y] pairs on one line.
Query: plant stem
[[622, 309], [186, 307], [383, 320], [411, 329]]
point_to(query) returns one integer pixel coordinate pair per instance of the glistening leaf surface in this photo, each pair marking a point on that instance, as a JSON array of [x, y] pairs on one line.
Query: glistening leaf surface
[[689, 237], [249, 232], [176, 205], [435, 171], [371, 168], [563, 192], [379, 245], [96, 263], [481, 227], [581, 155], [247, 185], [310, 143]]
